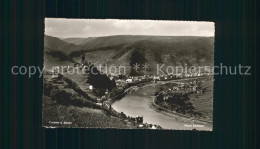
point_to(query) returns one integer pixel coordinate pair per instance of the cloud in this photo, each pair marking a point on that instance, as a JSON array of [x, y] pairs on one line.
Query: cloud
[[104, 27]]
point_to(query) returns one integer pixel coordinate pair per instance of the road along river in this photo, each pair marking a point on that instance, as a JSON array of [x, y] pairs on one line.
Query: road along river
[[138, 102]]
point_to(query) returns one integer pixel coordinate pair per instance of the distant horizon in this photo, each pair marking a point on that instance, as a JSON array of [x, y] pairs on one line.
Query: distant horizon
[[84, 28], [126, 35]]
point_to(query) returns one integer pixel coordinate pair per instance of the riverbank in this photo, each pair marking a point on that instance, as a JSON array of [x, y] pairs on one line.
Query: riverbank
[[191, 98], [113, 99], [164, 110], [129, 119], [66, 105], [139, 102]]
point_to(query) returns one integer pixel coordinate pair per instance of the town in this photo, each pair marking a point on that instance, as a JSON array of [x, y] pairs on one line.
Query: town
[[124, 83]]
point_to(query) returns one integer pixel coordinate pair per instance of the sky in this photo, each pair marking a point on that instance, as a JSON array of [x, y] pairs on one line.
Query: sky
[[68, 28]]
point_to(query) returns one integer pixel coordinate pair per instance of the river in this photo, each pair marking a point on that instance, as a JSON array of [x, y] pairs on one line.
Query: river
[[138, 102]]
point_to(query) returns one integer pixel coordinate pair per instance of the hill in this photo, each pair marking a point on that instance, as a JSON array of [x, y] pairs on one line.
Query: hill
[[56, 58], [78, 41], [118, 50], [59, 45]]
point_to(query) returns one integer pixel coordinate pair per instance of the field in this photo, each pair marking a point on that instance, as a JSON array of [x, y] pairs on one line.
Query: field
[[80, 117], [197, 104], [203, 102], [81, 81]]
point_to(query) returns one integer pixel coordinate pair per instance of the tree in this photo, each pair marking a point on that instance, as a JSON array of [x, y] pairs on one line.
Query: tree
[[137, 58], [98, 80], [83, 58]]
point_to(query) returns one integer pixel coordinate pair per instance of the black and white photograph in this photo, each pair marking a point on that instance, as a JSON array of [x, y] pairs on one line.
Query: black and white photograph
[[128, 74], [135, 74]]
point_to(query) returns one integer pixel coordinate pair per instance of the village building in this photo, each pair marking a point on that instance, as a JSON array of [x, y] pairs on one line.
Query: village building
[[156, 78], [139, 119], [129, 80], [153, 127]]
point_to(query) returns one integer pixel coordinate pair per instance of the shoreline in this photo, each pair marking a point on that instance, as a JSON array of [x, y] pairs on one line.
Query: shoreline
[[108, 104], [162, 109], [167, 112]]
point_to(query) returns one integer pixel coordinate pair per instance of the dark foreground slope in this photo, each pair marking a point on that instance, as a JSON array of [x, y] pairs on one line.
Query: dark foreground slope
[[64, 107]]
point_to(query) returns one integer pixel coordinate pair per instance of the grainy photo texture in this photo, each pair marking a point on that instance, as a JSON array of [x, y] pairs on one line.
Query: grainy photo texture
[[128, 74]]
